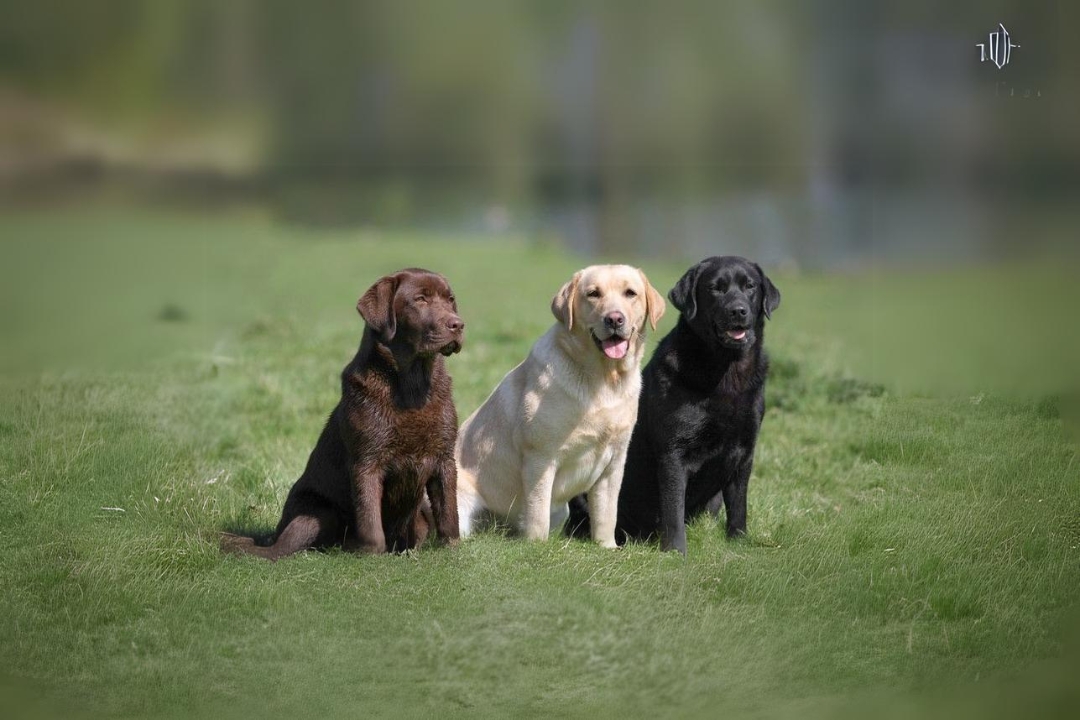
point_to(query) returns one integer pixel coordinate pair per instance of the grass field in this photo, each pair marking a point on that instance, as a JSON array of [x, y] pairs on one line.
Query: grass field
[[914, 543]]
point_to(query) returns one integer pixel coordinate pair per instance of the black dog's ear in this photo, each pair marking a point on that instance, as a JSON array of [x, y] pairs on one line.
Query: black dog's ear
[[770, 296], [684, 295], [376, 306]]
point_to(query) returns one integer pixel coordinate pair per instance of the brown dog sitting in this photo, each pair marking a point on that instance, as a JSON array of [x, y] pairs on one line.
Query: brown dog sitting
[[390, 438]]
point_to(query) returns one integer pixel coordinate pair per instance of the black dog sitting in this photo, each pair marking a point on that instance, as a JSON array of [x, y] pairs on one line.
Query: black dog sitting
[[701, 406]]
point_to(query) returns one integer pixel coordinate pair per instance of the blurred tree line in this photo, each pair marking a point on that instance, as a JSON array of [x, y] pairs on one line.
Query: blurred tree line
[[597, 112]]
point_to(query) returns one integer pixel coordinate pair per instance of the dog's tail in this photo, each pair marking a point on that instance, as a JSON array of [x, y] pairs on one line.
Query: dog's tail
[[238, 544], [577, 525], [234, 544]]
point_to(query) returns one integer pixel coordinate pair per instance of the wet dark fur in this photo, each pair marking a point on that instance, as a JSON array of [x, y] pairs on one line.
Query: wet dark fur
[[701, 407], [383, 472]]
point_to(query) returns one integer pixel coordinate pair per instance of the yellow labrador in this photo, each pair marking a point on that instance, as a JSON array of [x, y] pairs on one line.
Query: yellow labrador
[[558, 424]]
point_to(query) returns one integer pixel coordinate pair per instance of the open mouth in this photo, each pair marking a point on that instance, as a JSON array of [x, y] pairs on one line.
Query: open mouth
[[737, 334], [614, 347]]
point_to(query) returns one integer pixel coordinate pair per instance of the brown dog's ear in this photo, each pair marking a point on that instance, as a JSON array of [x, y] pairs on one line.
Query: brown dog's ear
[[770, 296], [684, 295], [562, 305], [654, 301], [376, 306]]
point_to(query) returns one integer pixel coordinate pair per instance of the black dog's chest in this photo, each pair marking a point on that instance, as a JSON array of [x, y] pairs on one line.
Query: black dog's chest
[[717, 429]]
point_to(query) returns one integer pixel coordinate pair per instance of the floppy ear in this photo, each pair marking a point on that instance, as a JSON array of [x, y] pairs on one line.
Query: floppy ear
[[654, 302], [684, 295], [376, 306], [770, 299], [562, 305]]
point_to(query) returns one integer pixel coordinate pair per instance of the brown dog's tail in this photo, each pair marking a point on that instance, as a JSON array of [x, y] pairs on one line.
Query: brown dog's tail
[[577, 525], [238, 544]]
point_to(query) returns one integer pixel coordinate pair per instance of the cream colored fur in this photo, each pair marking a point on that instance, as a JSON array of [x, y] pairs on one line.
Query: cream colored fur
[[559, 423]]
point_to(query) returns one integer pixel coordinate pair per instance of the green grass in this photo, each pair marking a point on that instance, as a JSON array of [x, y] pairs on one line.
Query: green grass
[[913, 549]]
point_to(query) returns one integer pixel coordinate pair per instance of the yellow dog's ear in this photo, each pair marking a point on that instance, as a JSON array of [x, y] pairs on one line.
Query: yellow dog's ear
[[654, 301], [562, 305]]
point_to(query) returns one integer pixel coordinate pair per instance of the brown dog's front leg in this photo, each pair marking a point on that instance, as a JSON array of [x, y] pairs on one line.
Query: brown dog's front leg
[[442, 491], [367, 499], [419, 528]]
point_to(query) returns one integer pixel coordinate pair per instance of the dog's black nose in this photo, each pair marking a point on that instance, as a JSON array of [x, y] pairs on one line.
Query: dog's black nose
[[738, 312], [615, 319], [455, 324]]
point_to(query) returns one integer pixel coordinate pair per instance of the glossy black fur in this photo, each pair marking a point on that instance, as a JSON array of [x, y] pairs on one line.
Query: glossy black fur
[[701, 406]]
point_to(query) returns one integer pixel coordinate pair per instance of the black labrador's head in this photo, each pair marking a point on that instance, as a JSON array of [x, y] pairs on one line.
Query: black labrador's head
[[726, 299], [415, 311]]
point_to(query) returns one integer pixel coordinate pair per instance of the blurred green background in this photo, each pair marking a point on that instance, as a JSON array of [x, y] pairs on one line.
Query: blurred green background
[[863, 140], [820, 134]]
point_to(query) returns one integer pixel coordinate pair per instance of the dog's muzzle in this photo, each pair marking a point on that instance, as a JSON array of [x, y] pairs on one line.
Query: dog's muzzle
[[615, 346]]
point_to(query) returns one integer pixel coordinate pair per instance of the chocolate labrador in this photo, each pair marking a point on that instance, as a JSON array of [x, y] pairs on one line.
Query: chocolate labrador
[[383, 468]]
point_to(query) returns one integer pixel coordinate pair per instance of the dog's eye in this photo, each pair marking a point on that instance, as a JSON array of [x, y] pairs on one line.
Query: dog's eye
[[420, 299], [452, 299], [749, 284], [594, 293], [630, 293]]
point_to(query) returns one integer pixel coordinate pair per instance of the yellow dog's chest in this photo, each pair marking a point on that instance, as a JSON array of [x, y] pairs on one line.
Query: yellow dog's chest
[[582, 459]]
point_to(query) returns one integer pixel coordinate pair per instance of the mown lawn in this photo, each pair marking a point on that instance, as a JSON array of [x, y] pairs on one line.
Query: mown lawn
[[914, 543]]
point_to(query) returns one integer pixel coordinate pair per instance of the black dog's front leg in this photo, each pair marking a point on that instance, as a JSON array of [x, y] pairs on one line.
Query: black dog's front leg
[[442, 491], [716, 504], [672, 479], [734, 494]]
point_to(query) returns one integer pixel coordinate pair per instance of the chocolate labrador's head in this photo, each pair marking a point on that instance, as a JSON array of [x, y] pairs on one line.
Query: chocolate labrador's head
[[726, 300], [414, 308]]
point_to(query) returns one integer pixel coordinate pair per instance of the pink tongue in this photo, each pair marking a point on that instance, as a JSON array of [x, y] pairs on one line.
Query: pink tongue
[[615, 347], [736, 334]]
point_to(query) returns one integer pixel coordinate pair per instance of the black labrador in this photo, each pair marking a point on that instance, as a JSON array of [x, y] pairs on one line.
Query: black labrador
[[383, 471], [701, 406]]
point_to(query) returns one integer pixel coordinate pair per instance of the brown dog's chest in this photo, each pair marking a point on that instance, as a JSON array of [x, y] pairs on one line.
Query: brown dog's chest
[[420, 433], [400, 439]]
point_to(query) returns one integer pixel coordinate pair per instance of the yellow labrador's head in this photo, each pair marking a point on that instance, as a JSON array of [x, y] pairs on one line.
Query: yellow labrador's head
[[610, 303]]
